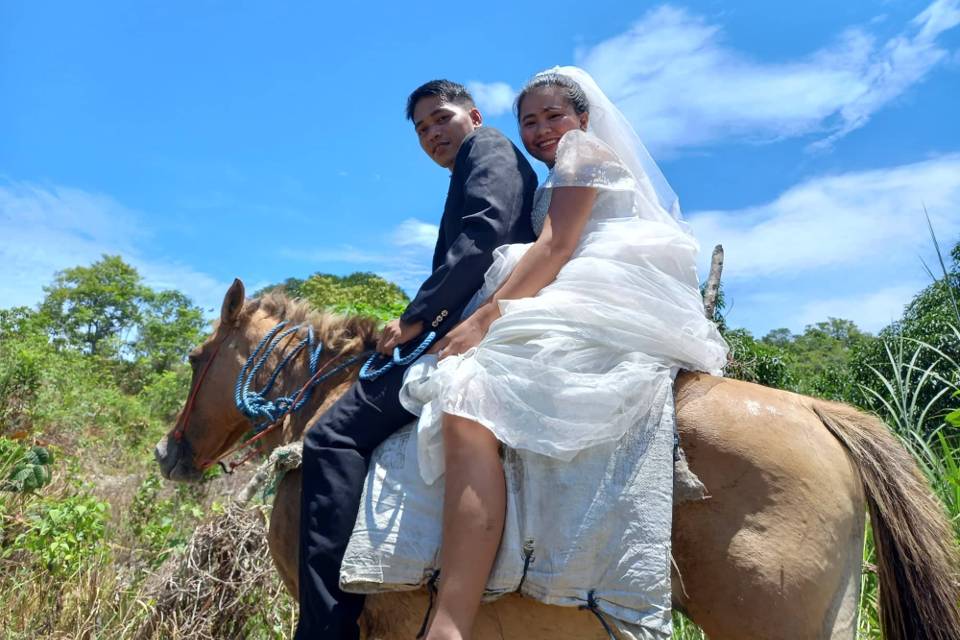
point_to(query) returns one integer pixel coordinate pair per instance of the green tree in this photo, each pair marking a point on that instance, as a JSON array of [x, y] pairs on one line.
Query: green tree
[[818, 360], [91, 308], [364, 294], [754, 361], [293, 287], [170, 325], [105, 310], [782, 337], [18, 322]]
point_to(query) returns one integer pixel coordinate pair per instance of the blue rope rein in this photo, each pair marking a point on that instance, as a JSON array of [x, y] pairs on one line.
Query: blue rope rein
[[371, 372], [264, 411]]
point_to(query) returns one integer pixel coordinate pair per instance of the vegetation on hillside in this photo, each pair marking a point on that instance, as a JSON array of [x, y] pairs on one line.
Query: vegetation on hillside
[[94, 375], [364, 294]]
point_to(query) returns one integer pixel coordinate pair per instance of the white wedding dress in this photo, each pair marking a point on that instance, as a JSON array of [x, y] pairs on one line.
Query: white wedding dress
[[579, 363]]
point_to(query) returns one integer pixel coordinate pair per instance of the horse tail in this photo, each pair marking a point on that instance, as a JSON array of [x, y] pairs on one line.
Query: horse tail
[[918, 560]]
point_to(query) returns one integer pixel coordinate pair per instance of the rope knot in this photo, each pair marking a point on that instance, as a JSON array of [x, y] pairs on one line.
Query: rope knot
[[255, 404]]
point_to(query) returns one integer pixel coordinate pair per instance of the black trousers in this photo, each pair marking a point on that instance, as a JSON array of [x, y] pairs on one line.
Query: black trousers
[[336, 454]]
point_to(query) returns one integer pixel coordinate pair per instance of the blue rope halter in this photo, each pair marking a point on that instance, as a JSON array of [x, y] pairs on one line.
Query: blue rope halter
[[255, 404]]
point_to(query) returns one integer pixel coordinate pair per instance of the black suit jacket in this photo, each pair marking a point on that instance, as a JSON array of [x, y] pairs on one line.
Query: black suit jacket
[[488, 205]]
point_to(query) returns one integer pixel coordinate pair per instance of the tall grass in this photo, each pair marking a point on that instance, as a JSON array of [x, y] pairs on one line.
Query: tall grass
[[934, 440]]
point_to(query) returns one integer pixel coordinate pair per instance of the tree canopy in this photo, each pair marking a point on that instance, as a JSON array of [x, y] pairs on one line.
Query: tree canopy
[[105, 309], [359, 293], [91, 308]]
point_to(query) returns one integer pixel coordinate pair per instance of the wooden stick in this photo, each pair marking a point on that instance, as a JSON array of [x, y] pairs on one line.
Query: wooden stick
[[713, 282]]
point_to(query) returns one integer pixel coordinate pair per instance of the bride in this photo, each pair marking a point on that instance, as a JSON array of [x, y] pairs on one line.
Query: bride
[[572, 336]]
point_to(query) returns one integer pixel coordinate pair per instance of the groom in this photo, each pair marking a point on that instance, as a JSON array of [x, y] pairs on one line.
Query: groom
[[488, 205]]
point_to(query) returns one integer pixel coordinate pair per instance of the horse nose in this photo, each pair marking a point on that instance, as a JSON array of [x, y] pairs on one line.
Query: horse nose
[[161, 454], [176, 460]]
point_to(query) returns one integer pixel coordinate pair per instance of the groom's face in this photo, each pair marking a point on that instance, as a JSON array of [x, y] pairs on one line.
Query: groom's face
[[441, 127]]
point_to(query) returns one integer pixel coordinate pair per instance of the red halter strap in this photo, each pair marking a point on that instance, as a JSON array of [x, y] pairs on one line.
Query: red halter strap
[[181, 425]]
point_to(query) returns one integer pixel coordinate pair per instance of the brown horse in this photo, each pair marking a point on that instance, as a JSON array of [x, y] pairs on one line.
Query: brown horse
[[774, 552]]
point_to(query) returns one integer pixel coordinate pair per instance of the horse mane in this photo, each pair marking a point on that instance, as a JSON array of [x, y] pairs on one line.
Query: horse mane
[[339, 333]]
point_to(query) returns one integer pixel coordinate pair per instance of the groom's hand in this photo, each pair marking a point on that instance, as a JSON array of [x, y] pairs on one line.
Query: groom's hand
[[396, 333], [468, 333]]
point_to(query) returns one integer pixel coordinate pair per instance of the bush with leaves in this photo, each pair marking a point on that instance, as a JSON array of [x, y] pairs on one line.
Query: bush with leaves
[[62, 534], [162, 524], [21, 368], [365, 294], [163, 394], [755, 361], [22, 468]]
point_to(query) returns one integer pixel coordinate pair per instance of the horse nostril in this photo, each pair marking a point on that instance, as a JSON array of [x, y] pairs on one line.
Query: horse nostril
[[160, 451]]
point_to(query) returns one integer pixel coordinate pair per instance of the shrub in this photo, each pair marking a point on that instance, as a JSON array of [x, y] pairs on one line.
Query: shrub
[[755, 361], [364, 294], [64, 533], [22, 468], [164, 393], [162, 525], [21, 365]]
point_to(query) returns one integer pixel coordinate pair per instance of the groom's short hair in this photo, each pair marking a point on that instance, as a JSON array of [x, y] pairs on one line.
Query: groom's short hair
[[446, 90]]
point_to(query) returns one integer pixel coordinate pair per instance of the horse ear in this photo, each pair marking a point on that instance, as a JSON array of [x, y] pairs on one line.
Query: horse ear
[[232, 302]]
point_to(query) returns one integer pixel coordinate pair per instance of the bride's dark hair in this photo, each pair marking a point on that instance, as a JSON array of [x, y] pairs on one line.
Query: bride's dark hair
[[574, 92]]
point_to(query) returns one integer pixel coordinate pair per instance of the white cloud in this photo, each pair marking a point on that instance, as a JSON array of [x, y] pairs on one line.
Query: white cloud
[[492, 98], [829, 222], [870, 311], [44, 229], [847, 245], [205, 290], [682, 85], [404, 258], [415, 233]]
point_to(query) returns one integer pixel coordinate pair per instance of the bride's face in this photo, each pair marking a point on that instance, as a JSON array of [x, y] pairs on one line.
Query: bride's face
[[545, 115]]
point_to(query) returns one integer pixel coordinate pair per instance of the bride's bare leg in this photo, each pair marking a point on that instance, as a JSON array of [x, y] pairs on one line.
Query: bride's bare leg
[[473, 513]]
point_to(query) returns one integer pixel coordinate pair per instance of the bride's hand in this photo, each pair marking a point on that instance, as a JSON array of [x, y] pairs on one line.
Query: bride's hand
[[465, 335]]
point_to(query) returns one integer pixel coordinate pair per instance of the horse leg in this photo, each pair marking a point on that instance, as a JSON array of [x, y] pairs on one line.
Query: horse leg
[[284, 535]]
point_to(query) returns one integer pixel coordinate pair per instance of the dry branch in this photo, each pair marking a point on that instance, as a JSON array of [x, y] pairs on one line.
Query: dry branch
[[213, 587], [713, 282]]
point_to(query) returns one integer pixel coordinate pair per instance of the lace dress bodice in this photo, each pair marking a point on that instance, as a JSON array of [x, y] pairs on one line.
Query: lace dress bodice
[[585, 161]]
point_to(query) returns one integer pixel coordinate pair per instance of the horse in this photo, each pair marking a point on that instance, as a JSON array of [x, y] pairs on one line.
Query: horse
[[774, 551]]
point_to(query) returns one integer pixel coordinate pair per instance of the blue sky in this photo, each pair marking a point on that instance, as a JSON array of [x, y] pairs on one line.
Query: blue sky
[[208, 140]]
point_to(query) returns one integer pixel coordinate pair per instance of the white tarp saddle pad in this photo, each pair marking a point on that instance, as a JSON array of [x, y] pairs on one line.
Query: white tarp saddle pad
[[599, 524]]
